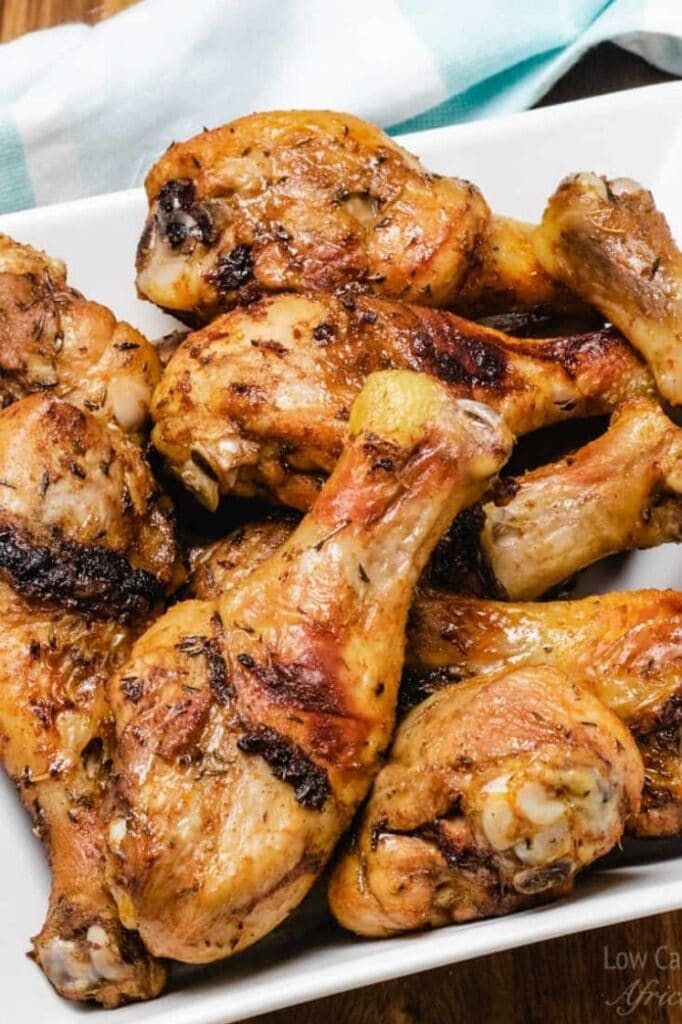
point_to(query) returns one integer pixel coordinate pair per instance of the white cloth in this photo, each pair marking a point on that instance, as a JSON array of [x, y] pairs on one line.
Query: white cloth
[[87, 109]]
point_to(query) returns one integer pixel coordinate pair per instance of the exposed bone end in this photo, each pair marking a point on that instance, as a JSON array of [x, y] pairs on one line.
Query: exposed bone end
[[566, 818], [129, 399], [100, 961], [402, 407], [208, 466]]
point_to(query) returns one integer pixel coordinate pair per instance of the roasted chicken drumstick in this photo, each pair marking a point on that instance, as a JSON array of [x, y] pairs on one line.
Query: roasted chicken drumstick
[[249, 727], [622, 491], [86, 551], [626, 648], [313, 201], [607, 241], [496, 792], [257, 403], [52, 339]]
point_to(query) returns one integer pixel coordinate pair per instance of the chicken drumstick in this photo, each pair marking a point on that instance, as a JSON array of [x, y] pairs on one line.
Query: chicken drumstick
[[621, 491], [607, 241], [257, 403], [310, 200], [86, 551], [249, 727], [627, 648]]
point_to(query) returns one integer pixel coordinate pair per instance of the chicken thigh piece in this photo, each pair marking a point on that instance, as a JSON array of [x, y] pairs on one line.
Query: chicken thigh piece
[[626, 648], [496, 793], [257, 403], [53, 340], [620, 492], [607, 241], [86, 551], [311, 200], [249, 727]]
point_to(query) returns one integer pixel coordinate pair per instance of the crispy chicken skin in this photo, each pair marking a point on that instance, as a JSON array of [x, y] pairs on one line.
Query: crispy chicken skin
[[626, 648], [54, 340], [496, 793], [607, 241], [86, 550], [314, 201], [621, 491], [257, 403], [249, 727]]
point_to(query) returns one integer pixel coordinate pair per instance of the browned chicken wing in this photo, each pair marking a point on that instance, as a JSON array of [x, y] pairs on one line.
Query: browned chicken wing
[[313, 201], [54, 340], [607, 241], [86, 551], [496, 793], [249, 727], [257, 403], [627, 648], [622, 491]]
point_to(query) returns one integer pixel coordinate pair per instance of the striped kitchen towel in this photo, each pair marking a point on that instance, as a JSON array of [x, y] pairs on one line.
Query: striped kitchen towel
[[85, 109]]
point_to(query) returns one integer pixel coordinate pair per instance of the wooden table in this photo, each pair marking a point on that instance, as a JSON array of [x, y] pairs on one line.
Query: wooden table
[[561, 982]]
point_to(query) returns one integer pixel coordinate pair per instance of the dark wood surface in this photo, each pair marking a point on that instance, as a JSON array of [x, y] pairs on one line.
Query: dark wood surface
[[566, 981]]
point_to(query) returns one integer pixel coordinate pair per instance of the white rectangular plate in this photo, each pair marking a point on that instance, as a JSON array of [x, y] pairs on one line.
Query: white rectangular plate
[[517, 161]]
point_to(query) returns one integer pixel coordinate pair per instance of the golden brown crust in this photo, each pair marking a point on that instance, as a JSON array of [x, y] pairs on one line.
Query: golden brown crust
[[52, 339], [608, 243], [301, 200]]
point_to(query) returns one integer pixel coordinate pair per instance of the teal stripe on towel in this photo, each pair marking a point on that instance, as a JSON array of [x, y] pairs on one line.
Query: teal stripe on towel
[[493, 96], [16, 192], [471, 42], [490, 55]]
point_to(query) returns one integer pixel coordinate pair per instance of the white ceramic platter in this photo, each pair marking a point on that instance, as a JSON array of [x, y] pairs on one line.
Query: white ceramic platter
[[517, 161]]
